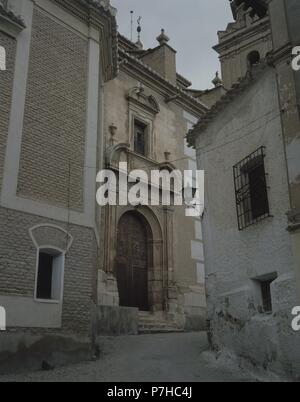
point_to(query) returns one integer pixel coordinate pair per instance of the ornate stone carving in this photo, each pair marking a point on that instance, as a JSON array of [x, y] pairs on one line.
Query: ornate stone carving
[[138, 96]]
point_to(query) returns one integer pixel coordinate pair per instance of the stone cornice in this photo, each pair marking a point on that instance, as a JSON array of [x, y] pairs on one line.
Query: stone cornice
[[9, 22], [258, 7], [283, 53], [236, 36], [142, 72], [99, 14], [184, 82]]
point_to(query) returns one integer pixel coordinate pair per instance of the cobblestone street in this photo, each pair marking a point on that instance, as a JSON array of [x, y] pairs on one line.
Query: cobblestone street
[[147, 358]]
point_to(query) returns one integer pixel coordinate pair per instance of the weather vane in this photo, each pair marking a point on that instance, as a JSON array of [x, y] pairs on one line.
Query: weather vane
[[131, 22]]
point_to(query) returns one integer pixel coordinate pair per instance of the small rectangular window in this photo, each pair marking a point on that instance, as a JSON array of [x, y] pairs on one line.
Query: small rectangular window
[[262, 288], [251, 189], [266, 296], [140, 138], [49, 275]]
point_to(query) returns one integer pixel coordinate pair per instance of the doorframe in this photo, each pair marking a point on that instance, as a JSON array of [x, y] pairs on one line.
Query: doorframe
[[158, 275]]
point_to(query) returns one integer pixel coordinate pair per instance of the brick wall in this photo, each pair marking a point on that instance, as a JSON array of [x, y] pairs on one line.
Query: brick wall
[[55, 116], [6, 83], [18, 266]]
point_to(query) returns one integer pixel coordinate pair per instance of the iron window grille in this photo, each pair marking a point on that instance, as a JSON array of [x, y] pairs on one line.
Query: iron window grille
[[251, 189]]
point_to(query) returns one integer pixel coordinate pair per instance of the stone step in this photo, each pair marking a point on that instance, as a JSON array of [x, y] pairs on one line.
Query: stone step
[[150, 320], [149, 324], [160, 330], [157, 325], [145, 314]]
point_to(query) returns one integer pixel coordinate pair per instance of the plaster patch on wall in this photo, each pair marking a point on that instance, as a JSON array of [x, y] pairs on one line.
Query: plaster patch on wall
[[200, 273], [197, 251], [190, 152], [198, 230]]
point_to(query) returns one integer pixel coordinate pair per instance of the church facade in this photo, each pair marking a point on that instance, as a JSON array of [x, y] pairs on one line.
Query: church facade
[[153, 256], [77, 98]]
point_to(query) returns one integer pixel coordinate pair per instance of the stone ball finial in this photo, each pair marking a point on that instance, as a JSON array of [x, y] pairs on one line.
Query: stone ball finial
[[167, 155], [217, 80], [162, 38]]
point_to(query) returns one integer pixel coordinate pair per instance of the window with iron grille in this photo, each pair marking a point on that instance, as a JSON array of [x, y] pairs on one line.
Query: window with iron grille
[[251, 189]]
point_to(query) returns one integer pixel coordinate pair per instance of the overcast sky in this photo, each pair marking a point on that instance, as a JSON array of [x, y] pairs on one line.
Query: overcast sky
[[192, 26]]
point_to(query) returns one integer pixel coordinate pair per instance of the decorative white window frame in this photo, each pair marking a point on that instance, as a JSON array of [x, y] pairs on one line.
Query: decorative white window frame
[[62, 250], [149, 132], [142, 108]]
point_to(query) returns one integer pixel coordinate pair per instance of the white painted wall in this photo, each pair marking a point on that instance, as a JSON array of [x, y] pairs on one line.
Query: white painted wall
[[24, 312], [234, 258]]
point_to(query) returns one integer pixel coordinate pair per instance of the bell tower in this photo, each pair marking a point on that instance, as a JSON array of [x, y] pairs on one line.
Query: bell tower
[[245, 42]]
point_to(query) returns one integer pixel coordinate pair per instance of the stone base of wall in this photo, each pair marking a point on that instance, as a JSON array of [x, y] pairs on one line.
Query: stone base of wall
[[186, 307], [25, 351], [195, 323], [194, 308], [264, 340], [114, 321]]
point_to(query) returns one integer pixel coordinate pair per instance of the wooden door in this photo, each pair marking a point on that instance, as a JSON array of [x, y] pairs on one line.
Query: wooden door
[[132, 262]]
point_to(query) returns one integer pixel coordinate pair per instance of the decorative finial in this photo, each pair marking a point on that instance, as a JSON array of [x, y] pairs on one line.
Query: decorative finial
[[217, 80], [139, 30], [141, 89], [162, 38], [167, 156], [4, 4]]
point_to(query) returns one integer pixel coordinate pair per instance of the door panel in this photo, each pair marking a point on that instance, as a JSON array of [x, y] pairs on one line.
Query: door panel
[[132, 262]]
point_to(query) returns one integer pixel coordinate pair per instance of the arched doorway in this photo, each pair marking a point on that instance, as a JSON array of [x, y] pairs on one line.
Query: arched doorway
[[133, 261]]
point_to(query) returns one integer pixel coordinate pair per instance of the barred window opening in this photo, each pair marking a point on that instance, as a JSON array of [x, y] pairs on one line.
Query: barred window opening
[[251, 189]]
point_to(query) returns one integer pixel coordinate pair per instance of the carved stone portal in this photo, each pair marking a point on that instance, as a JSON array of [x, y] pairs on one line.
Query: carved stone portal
[[139, 244]]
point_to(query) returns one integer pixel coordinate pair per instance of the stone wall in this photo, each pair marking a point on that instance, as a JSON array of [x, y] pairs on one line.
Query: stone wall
[[18, 272], [53, 144], [235, 259]]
